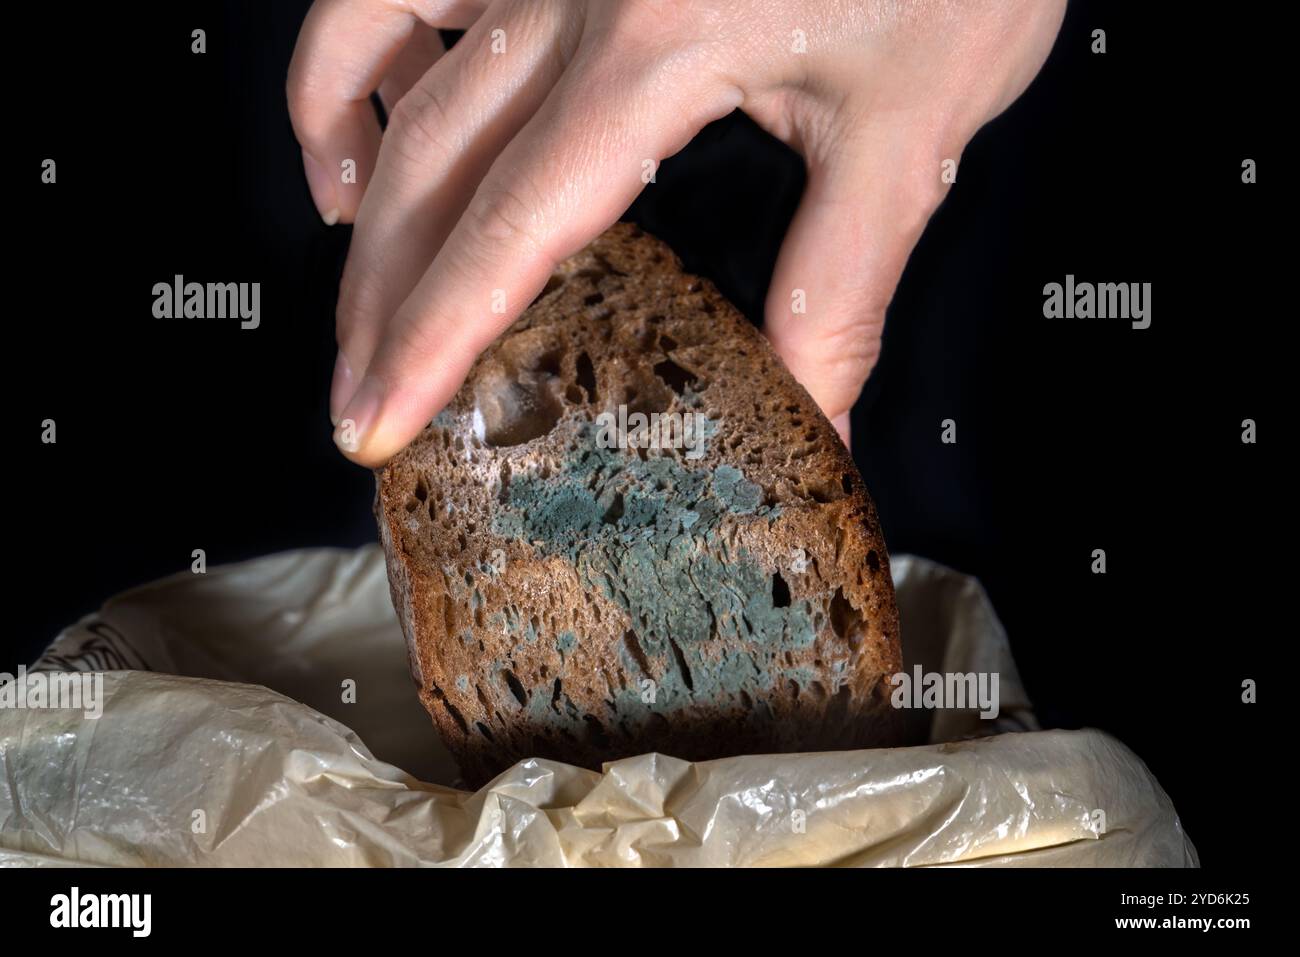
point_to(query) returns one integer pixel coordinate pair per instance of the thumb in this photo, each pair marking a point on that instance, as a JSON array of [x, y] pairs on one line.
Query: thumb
[[862, 212]]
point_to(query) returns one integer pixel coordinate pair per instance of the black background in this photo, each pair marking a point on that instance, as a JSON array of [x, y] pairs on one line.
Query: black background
[[1122, 167]]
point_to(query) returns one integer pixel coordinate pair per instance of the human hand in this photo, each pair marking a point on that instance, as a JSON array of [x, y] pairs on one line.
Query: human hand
[[531, 135]]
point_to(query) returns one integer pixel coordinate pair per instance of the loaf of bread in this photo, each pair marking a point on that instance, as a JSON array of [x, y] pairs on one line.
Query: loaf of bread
[[633, 531]]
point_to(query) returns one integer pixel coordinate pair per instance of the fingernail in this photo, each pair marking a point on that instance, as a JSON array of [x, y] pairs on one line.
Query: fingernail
[[321, 184], [342, 388], [360, 416]]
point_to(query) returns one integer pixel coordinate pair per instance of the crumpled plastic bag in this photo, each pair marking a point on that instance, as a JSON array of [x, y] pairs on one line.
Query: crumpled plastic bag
[[197, 761]]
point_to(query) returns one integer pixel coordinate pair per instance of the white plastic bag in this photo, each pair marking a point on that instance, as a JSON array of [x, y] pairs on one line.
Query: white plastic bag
[[197, 761]]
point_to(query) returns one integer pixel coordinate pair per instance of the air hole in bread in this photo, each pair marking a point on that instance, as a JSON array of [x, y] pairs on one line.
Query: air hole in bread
[[503, 489], [516, 687], [673, 375], [451, 710], [596, 732], [845, 621], [873, 561], [586, 374], [681, 664], [824, 494], [547, 362], [517, 397], [635, 650], [512, 413], [595, 299], [780, 591], [449, 614], [483, 730], [615, 510]]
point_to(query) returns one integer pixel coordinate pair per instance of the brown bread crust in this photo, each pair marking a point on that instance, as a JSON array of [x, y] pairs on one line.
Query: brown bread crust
[[583, 605]]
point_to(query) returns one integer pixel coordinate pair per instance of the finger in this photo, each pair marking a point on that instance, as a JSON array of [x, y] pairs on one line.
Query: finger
[[441, 139], [569, 174], [862, 212], [344, 49], [421, 52]]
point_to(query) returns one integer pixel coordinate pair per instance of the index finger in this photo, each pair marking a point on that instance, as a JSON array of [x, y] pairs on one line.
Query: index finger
[[568, 175]]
